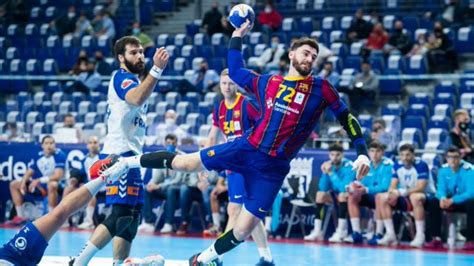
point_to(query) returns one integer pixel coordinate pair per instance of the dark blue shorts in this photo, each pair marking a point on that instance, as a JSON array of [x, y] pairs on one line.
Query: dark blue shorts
[[263, 174], [367, 200], [404, 204], [25, 248], [236, 185]]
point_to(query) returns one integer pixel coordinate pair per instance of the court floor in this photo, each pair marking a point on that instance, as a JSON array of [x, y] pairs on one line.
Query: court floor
[[177, 250]]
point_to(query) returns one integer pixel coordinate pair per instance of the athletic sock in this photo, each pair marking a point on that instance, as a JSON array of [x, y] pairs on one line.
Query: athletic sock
[[216, 219], [86, 254], [134, 161], [266, 254], [379, 227], [19, 211], [89, 214], [317, 225], [355, 222], [158, 160], [389, 226], [224, 243], [94, 185], [420, 228]]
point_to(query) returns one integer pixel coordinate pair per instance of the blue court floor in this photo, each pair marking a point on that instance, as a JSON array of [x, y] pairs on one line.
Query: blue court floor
[[66, 243]]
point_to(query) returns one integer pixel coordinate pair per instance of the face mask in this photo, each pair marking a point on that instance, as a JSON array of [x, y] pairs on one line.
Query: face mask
[[170, 148], [170, 122], [71, 14], [274, 45], [136, 31], [268, 9], [463, 126], [8, 132]]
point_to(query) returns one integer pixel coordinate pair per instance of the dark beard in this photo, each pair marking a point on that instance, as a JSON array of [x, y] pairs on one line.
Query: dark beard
[[300, 70], [137, 68]]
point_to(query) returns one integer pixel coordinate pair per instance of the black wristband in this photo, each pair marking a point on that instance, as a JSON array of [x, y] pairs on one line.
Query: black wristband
[[235, 43]]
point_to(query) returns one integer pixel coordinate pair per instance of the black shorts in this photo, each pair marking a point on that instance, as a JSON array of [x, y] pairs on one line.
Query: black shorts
[[80, 176], [123, 221], [404, 204], [367, 200]]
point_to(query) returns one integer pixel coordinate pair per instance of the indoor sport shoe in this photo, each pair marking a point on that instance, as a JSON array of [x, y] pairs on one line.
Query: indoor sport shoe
[[357, 238], [388, 240], [263, 262], [194, 262], [109, 169], [418, 241], [213, 230], [435, 243], [315, 235], [373, 241]]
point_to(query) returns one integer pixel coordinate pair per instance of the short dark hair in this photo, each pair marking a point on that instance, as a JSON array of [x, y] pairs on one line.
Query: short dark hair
[[120, 44], [304, 41], [68, 115], [453, 149], [171, 137], [375, 144], [407, 147], [46, 137], [336, 147]]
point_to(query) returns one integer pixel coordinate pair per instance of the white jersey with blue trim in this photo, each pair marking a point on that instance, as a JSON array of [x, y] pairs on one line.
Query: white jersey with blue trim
[[408, 177], [126, 123]]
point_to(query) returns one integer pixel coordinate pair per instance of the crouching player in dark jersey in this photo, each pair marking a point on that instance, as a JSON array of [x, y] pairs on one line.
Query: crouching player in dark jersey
[[290, 107], [28, 245]]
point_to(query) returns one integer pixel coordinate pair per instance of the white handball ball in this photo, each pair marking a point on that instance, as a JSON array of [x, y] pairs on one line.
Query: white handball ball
[[239, 14]]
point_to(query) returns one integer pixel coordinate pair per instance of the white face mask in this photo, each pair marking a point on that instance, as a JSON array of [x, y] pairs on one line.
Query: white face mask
[[268, 9], [170, 122], [71, 14]]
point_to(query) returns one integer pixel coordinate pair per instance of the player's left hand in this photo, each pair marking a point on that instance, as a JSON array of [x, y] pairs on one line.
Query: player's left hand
[[244, 29], [161, 57], [33, 185], [362, 166]]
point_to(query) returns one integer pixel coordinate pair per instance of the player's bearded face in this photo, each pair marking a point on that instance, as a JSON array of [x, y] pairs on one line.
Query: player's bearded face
[[136, 67], [303, 66], [335, 157]]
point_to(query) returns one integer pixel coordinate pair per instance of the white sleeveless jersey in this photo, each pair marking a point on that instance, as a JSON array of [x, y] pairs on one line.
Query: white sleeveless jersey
[[126, 124]]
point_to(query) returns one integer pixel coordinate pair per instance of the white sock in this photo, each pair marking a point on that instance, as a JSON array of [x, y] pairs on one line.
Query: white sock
[[420, 228], [379, 227], [117, 262], [341, 225], [50, 208], [94, 185], [19, 211], [266, 254], [216, 219], [134, 161], [208, 255], [89, 214], [317, 225], [86, 254], [268, 223], [389, 227], [355, 222]]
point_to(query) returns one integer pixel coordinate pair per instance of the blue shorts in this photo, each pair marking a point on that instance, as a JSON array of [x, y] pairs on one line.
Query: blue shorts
[[263, 175], [25, 248], [236, 185], [367, 200]]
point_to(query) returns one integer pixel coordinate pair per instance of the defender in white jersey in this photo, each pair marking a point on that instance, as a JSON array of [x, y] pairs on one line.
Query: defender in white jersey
[[411, 185], [126, 118]]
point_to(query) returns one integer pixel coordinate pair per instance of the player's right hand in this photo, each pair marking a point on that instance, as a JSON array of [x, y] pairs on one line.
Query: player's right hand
[[244, 29], [33, 185], [161, 57], [23, 188]]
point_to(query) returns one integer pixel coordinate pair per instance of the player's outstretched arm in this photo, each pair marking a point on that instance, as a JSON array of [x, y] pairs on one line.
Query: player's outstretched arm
[[140, 94], [245, 78]]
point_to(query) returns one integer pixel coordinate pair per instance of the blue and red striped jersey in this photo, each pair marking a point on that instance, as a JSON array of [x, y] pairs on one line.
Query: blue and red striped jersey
[[235, 119], [290, 107]]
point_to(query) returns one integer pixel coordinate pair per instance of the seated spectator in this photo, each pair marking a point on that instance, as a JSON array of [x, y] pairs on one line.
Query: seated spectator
[[66, 24], [459, 137], [169, 127], [270, 19], [103, 25], [366, 83], [144, 38], [359, 29], [328, 73], [379, 133], [441, 53], [157, 188], [377, 38], [323, 54], [411, 185], [42, 178], [399, 40], [270, 57], [212, 20], [189, 192], [69, 133], [83, 26], [453, 14], [214, 192], [420, 47], [205, 79], [87, 80], [79, 175], [455, 188], [78, 67], [363, 194], [337, 174], [11, 133]]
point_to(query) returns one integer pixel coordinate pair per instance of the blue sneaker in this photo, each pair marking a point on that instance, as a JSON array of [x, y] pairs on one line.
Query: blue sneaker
[[263, 262], [357, 238], [373, 241]]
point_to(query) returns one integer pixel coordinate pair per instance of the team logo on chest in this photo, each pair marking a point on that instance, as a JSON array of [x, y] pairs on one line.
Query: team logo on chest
[[303, 87], [236, 114]]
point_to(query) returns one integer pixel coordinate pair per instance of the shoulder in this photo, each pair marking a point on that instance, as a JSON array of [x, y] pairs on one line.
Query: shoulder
[[346, 163], [467, 166], [387, 161], [419, 163], [59, 155]]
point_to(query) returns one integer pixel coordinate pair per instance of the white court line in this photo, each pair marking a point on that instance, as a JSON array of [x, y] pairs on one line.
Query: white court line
[[63, 260]]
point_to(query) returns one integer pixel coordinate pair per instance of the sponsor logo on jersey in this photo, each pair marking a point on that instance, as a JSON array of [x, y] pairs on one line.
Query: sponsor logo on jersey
[[269, 103], [126, 83], [21, 243], [211, 153]]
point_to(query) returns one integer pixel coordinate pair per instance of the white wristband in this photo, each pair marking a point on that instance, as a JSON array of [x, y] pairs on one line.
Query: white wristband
[[44, 179], [156, 72], [403, 192]]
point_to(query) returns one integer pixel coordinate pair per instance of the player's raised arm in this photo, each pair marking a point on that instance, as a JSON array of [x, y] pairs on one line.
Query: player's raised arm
[[245, 78], [140, 93], [351, 125]]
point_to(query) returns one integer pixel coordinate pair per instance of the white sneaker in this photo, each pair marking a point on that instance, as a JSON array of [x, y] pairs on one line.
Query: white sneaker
[[118, 167], [348, 239], [315, 235], [388, 240], [86, 225], [418, 241], [460, 237], [166, 229], [146, 228], [154, 260], [337, 237], [451, 243]]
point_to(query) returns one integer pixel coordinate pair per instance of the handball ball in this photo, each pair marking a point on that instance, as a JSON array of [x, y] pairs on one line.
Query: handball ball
[[239, 14]]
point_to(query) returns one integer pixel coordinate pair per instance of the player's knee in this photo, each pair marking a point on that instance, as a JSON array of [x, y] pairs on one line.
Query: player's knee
[[342, 197], [15, 184], [233, 210], [415, 198], [53, 186], [320, 195], [61, 212]]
